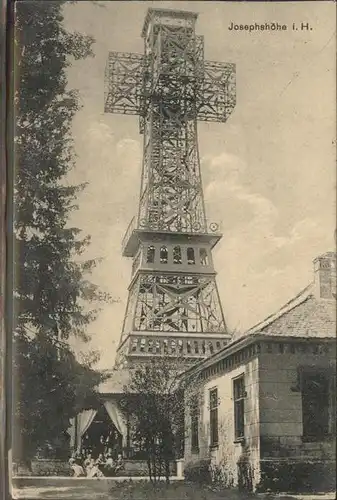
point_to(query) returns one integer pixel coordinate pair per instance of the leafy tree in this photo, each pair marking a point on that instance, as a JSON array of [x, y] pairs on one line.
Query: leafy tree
[[154, 400], [54, 300]]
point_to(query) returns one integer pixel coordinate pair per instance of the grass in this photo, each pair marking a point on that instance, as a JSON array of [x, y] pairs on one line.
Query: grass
[[129, 490], [161, 491], [141, 490]]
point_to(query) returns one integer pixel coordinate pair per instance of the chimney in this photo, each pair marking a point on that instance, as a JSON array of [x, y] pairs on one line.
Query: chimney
[[325, 275]]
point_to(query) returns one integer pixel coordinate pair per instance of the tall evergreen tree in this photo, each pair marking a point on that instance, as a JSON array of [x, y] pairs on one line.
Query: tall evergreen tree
[[51, 289]]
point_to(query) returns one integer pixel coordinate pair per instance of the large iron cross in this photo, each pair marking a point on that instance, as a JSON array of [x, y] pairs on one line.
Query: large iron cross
[[170, 87], [172, 71]]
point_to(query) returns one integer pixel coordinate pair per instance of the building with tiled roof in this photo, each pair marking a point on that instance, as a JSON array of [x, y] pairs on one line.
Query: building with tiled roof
[[267, 400], [312, 313]]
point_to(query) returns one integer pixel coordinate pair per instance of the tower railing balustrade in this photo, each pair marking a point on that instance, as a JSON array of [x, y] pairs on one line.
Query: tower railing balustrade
[[128, 232], [212, 227], [168, 346]]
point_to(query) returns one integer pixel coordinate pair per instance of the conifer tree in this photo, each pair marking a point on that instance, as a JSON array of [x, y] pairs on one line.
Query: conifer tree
[[54, 299]]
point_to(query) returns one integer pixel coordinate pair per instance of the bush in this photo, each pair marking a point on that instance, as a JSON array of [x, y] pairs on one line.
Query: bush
[[221, 476], [245, 475], [297, 477], [199, 472]]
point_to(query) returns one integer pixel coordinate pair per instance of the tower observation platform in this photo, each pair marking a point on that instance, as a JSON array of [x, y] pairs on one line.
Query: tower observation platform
[[173, 306]]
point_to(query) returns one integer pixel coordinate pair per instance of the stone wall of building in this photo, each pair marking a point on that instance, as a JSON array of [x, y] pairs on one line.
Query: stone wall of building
[[273, 427], [225, 456], [281, 425], [280, 401]]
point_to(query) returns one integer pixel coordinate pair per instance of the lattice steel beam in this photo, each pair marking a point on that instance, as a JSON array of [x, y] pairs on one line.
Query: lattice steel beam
[[175, 303], [123, 83], [130, 89]]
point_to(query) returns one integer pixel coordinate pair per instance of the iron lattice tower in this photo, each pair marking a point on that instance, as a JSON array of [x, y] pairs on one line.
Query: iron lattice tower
[[173, 306]]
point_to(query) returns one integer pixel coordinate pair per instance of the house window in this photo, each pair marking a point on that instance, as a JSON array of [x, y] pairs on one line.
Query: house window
[[239, 406], [150, 254], [213, 416], [176, 255], [203, 257], [190, 256], [195, 425], [163, 255], [315, 405]]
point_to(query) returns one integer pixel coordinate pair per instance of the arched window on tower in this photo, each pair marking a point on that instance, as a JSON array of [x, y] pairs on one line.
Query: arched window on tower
[[176, 255], [163, 255], [150, 254], [203, 257], [190, 256]]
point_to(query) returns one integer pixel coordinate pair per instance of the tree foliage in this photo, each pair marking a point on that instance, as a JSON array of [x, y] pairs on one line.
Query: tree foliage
[[51, 387], [54, 299], [51, 288], [154, 399]]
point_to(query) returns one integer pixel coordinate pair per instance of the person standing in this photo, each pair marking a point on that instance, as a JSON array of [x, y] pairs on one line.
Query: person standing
[[101, 445]]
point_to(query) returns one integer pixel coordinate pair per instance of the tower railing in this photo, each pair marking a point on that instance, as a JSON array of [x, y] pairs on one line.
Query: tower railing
[[211, 228], [130, 229]]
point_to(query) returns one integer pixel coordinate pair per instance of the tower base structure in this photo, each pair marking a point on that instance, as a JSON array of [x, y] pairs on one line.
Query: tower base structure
[[174, 309]]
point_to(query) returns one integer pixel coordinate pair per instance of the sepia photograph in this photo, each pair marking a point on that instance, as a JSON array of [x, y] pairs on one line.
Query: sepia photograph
[[174, 250]]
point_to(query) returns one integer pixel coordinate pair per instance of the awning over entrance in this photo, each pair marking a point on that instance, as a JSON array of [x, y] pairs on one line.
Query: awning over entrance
[[117, 417], [82, 422]]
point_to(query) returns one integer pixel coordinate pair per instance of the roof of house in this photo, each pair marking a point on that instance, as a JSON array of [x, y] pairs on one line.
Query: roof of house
[[305, 316]]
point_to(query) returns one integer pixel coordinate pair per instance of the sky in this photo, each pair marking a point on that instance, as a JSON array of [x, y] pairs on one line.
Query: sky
[[268, 173]]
